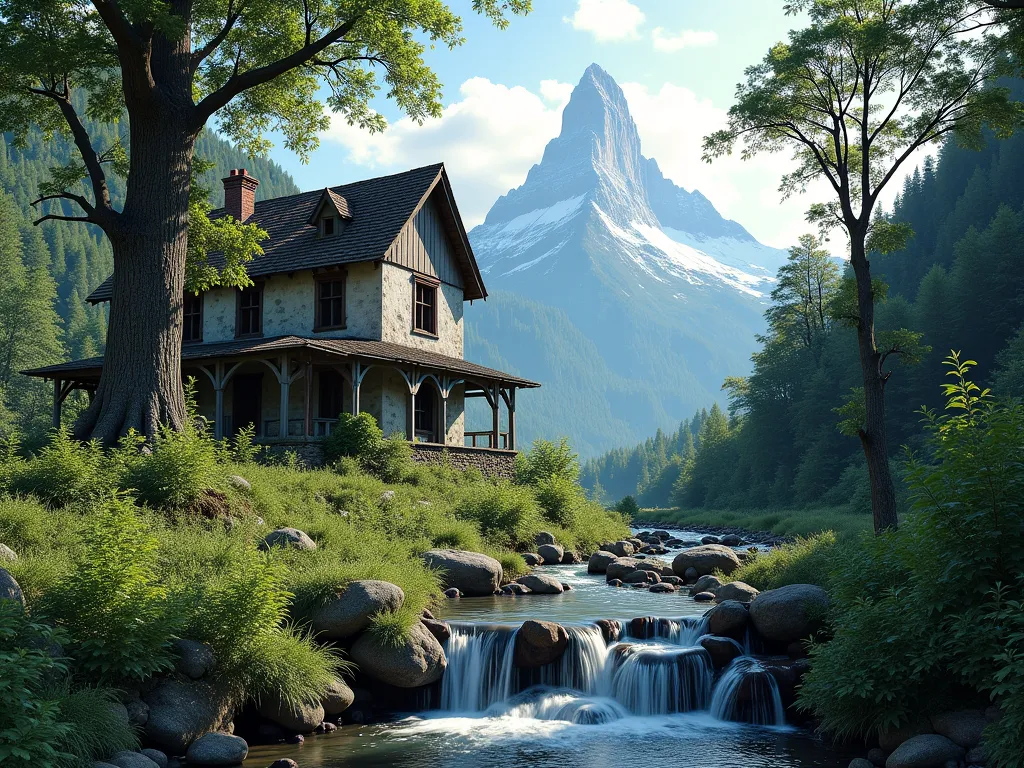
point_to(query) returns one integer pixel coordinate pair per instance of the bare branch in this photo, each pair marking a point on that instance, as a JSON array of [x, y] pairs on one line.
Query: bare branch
[[57, 217], [80, 201]]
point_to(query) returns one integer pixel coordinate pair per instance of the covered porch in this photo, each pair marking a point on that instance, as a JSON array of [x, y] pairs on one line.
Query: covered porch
[[291, 390]]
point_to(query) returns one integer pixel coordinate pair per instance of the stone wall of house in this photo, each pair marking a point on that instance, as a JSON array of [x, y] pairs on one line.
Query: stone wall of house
[[492, 463], [397, 314]]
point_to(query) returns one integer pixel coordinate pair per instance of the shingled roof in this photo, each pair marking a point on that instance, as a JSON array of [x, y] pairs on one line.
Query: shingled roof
[[379, 209]]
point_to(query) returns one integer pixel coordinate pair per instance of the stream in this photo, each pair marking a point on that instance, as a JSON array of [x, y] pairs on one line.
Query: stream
[[649, 696]]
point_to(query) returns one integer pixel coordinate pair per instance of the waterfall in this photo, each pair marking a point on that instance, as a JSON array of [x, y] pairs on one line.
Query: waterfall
[[479, 671], [686, 631], [660, 680], [568, 706], [748, 693]]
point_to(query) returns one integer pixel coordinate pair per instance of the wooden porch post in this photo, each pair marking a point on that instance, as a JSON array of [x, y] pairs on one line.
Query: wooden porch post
[[309, 398], [496, 415], [511, 418], [357, 382], [56, 403], [218, 409], [285, 380]]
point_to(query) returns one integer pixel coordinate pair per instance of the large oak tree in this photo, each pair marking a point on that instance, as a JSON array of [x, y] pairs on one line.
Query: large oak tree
[[854, 95], [170, 67]]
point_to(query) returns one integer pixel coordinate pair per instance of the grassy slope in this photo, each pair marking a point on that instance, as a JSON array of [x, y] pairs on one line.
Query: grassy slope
[[786, 522]]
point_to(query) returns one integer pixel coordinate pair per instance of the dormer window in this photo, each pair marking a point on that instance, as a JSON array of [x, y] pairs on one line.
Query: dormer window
[[328, 226], [330, 214]]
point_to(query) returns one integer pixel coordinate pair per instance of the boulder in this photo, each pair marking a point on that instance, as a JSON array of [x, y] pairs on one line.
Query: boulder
[[641, 577], [570, 558], [706, 559], [675, 581], [660, 567], [611, 630], [514, 590], [338, 698], [156, 756], [722, 650], [691, 575], [710, 540], [9, 588], [623, 548], [662, 534], [420, 660], [877, 756], [729, 619], [976, 756], [890, 738], [302, 718], [473, 574], [129, 759], [614, 582], [735, 590], [438, 629], [600, 560], [181, 712], [353, 606], [194, 659], [540, 584], [704, 597], [925, 751], [538, 643], [551, 554], [7, 554], [860, 762], [662, 587], [138, 711], [705, 584], [789, 613], [284, 762], [292, 538], [532, 559], [963, 728], [730, 540], [621, 567], [239, 483], [217, 749], [544, 537], [452, 593]]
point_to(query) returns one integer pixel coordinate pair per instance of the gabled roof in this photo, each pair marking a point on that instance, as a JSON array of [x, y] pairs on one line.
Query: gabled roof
[[335, 201], [379, 208]]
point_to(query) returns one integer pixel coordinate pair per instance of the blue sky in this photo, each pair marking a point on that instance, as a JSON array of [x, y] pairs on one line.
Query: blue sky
[[677, 60]]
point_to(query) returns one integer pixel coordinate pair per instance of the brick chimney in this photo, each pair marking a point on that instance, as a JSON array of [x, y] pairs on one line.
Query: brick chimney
[[239, 194]]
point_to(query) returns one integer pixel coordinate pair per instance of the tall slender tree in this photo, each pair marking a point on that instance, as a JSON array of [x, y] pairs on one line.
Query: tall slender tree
[[854, 95], [170, 67]]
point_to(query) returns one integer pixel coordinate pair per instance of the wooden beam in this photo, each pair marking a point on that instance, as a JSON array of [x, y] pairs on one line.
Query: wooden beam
[[495, 401], [56, 403], [512, 419]]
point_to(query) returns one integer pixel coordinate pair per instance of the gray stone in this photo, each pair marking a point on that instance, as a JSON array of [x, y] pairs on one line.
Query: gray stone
[[9, 588], [302, 718], [660, 567], [925, 751], [706, 559], [284, 762], [452, 593], [691, 575], [730, 540], [621, 567], [7, 554], [138, 711], [420, 660], [662, 587], [789, 613], [623, 548], [976, 756], [352, 608], [544, 538], [338, 698], [551, 554], [877, 756], [216, 749], [472, 573], [156, 756], [641, 577], [194, 659], [129, 759], [438, 629], [181, 712], [860, 762], [963, 728], [540, 584], [288, 537], [539, 643], [729, 619], [514, 590], [704, 597], [735, 590], [600, 560], [705, 584], [890, 738], [614, 582], [239, 483], [710, 540], [386, 498], [722, 650], [532, 559], [570, 558]]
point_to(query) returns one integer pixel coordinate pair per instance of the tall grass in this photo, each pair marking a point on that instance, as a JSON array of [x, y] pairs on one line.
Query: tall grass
[[785, 522], [805, 561]]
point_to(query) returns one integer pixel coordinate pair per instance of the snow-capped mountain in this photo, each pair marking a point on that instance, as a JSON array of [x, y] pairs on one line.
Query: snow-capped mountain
[[667, 291]]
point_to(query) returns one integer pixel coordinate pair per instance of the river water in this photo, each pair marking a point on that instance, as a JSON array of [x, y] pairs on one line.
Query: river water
[[651, 698]]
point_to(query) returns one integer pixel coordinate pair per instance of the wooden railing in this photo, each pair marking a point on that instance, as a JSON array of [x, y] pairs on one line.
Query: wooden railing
[[473, 437]]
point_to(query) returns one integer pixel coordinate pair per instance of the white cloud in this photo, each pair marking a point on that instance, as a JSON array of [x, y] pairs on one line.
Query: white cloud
[[607, 19], [488, 140], [687, 38]]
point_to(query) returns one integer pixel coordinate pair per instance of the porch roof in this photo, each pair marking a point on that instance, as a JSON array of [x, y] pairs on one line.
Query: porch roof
[[364, 349]]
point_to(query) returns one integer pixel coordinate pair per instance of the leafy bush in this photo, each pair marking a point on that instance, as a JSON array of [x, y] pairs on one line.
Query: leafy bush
[[457, 534], [96, 729], [359, 437], [628, 507], [512, 563], [64, 472], [559, 499], [805, 561], [391, 628], [545, 460], [929, 617], [291, 666], [117, 614], [177, 469], [507, 514]]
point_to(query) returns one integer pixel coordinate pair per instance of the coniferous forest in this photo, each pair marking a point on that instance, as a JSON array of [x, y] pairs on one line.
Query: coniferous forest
[[779, 443]]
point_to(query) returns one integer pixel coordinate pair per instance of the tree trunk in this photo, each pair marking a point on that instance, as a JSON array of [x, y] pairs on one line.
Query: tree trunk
[[873, 434]]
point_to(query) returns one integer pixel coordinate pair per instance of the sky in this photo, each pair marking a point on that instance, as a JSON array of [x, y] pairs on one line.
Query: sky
[[678, 62]]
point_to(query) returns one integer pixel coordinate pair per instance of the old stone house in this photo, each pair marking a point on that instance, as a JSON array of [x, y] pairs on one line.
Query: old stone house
[[357, 304]]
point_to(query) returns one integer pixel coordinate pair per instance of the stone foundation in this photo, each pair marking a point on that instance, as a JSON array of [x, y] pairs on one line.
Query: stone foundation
[[308, 452], [491, 462]]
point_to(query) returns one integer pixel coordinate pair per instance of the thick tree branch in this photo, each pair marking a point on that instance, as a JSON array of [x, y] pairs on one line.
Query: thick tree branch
[[120, 28], [58, 217], [238, 83], [80, 201], [233, 15]]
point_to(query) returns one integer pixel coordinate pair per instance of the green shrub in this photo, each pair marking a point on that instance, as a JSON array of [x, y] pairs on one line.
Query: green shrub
[[175, 472], [287, 664], [391, 628], [507, 514], [512, 563], [118, 616], [457, 534], [359, 437], [928, 618], [96, 729], [805, 561], [547, 459], [559, 499], [64, 472], [628, 507]]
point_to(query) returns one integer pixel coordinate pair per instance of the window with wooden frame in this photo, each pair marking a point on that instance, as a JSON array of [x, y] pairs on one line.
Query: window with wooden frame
[[424, 305], [249, 319], [329, 226], [192, 318], [330, 302]]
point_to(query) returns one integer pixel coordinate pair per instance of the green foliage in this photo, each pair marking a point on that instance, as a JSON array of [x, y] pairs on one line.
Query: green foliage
[[805, 561], [243, 445], [546, 459], [97, 730], [1009, 378], [512, 563], [559, 499], [64, 472], [457, 534], [952, 573], [507, 514], [391, 628], [175, 471], [117, 615], [628, 507], [359, 437]]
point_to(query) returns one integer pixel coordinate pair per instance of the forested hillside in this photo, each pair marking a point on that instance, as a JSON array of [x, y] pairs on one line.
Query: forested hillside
[[958, 282], [50, 269]]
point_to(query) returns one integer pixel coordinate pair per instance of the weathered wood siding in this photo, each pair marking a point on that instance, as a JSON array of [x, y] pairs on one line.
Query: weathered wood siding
[[423, 247]]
